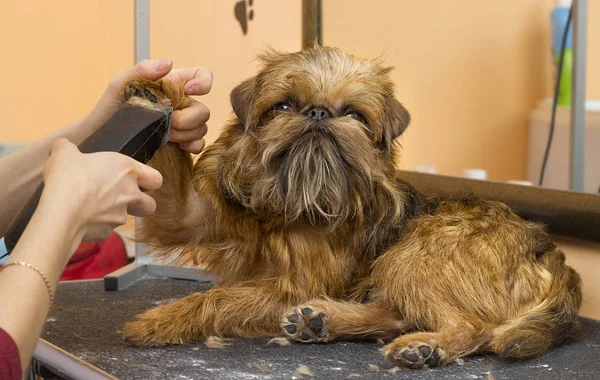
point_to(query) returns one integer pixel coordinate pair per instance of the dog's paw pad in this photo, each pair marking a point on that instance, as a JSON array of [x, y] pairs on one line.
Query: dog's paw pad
[[150, 91], [304, 324], [417, 355], [150, 95], [133, 91], [317, 324], [425, 351], [434, 359], [411, 356]]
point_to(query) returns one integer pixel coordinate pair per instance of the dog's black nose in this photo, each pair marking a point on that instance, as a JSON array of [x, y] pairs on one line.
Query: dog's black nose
[[318, 114]]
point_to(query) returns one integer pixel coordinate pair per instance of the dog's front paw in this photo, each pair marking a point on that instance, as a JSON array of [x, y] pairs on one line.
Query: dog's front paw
[[144, 90], [156, 327], [305, 324], [415, 354]]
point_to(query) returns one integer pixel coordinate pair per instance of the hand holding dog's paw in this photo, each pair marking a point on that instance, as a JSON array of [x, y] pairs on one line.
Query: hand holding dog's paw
[[188, 126]]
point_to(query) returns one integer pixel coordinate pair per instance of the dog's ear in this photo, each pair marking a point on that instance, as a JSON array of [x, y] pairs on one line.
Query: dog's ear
[[242, 99], [395, 121]]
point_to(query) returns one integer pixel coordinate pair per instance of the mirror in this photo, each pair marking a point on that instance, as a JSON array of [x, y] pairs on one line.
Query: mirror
[[478, 80]]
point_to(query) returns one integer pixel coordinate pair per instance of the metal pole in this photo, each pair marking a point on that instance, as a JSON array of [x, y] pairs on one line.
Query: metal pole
[[311, 23], [578, 95], [142, 51], [142, 30]]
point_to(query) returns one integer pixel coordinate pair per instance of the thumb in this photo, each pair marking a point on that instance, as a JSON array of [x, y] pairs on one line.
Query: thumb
[[146, 69], [112, 98]]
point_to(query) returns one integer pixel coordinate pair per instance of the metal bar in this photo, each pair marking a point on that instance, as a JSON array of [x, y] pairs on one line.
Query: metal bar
[[141, 258], [65, 365], [142, 51], [123, 277], [142, 30], [182, 273], [311, 23], [578, 95]]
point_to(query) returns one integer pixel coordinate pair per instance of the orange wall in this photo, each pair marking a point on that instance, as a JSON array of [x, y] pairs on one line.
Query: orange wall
[[57, 57], [206, 33], [468, 71], [62, 54]]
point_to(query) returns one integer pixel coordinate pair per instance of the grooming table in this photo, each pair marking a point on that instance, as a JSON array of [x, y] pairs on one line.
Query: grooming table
[[82, 340]]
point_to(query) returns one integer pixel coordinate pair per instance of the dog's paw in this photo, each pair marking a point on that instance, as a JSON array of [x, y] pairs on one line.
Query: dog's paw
[[142, 333], [145, 89], [155, 328], [415, 355], [305, 324], [152, 94]]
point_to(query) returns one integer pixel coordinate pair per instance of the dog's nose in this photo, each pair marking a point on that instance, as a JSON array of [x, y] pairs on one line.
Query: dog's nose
[[318, 114]]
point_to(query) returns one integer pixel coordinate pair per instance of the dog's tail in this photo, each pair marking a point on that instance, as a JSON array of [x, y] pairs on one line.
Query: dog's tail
[[535, 331]]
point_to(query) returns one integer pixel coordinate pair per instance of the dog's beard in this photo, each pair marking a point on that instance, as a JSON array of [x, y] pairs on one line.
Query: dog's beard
[[309, 171], [311, 180]]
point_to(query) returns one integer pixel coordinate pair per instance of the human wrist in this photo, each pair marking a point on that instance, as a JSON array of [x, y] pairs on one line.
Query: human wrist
[[82, 129], [49, 240], [64, 214]]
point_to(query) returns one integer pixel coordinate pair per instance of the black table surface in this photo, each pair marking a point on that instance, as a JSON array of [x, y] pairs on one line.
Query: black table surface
[[86, 321]]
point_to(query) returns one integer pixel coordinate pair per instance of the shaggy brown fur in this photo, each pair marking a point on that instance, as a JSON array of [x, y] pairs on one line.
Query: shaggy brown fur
[[297, 209]]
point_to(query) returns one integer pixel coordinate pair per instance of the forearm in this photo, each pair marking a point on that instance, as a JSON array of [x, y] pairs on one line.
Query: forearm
[[21, 172], [47, 243]]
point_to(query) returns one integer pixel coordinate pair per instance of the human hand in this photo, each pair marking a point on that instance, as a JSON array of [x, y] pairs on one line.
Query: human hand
[[188, 126], [96, 191]]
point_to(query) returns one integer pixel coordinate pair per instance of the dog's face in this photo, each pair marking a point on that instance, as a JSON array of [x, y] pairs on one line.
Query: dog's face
[[316, 130]]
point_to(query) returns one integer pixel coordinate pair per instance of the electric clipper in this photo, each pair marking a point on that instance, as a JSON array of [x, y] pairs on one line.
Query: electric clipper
[[137, 131]]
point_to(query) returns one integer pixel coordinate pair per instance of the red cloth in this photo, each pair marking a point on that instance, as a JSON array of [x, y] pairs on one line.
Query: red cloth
[[10, 362], [95, 260]]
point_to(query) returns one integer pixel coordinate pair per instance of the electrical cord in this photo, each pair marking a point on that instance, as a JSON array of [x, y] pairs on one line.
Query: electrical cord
[[555, 100]]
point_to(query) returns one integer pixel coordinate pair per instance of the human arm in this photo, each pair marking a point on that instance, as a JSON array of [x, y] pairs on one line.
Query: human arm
[[21, 172], [84, 198], [65, 214]]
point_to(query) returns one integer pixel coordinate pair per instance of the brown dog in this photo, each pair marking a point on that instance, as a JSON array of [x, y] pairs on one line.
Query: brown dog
[[297, 209]]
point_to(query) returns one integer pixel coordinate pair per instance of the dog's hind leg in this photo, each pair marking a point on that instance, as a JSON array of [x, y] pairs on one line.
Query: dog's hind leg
[[436, 349], [325, 320]]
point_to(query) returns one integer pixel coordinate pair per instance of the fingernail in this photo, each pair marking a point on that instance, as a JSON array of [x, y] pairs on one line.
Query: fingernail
[[163, 64]]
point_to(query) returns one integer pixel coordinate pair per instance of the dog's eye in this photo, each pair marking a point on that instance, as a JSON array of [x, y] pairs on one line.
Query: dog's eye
[[356, 116], [282, 106]]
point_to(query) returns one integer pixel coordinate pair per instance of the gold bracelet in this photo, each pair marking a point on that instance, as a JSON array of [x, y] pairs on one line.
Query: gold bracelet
[[27, 265]]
